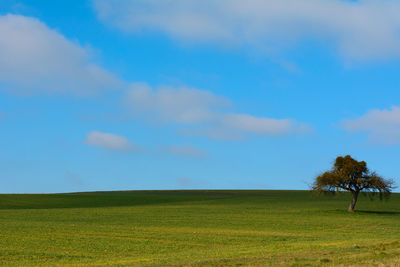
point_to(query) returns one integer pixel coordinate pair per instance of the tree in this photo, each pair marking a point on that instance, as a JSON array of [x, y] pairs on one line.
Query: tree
[[351, 175]]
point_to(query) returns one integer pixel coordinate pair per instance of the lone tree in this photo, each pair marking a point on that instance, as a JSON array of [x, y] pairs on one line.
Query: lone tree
[[351, 175]]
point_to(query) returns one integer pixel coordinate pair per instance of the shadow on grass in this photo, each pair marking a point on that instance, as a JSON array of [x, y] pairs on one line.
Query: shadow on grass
[[378, 212], [110, 199], [366, 212], [139, 198]]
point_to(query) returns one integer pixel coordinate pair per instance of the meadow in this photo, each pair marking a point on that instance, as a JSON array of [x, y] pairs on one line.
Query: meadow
[[197, 228]]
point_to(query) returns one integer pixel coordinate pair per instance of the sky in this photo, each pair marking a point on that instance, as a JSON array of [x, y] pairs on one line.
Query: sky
[[186, 94]]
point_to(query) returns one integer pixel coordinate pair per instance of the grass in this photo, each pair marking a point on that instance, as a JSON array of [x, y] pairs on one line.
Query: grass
[[201, 228]]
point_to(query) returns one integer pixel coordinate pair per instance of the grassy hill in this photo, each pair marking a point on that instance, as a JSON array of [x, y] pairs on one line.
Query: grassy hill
[[288, 228]]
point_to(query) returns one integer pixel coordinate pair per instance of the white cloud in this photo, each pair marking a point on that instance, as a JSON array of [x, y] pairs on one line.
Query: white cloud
[[121, 143], [205, 113], [35, 58], [383, 126], [263, 126], [361, 30], [176, 105], [185, 151], [110, 141]]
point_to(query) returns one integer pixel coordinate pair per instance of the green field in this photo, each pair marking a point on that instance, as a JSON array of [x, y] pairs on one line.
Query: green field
[[202, 228]]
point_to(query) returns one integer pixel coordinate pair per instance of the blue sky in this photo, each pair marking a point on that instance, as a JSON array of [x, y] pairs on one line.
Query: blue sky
[[126, 95]]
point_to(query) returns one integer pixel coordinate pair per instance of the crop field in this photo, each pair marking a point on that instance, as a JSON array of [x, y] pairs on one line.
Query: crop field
[[197, 228]]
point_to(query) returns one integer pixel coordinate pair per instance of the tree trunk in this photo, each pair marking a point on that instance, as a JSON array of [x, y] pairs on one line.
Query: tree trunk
[[353, 201]]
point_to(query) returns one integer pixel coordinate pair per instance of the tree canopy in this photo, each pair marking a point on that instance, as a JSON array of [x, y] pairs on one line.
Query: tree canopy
[[348, 174]]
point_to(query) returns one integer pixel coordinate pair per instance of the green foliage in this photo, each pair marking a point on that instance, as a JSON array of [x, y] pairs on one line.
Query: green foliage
[[352, 175], [196, 228]]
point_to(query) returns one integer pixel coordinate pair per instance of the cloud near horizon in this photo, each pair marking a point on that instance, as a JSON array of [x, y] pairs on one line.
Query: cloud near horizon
[[360, 30], [204, 113], [36, 59], [382, 126]]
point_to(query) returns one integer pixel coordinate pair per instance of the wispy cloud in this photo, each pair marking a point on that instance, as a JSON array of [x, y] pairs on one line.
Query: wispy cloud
[[264, 126], [204, 113], [173, 105], [110, 141], [185, 151], [361, 30], [37, 59], [382, 126], [115, 142]]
